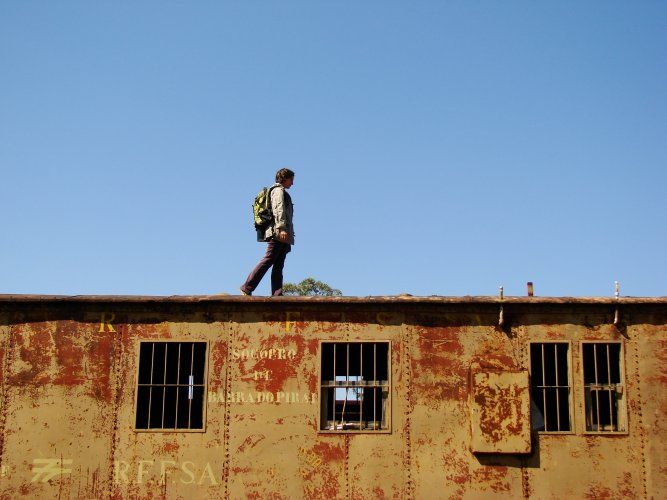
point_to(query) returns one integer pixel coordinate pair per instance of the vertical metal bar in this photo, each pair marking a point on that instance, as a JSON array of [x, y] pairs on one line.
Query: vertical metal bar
[[611, 410], [347, 376], [557, 388], [347, 366], [164, 381], [570, 405], [335, 418], [192, 361], [374, 384], [544, 390], [178, 387], [150, 388], [359, 386], [597, 392], [333, 400]]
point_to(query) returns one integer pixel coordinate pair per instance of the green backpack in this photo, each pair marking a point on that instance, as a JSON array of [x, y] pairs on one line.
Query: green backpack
[[261, 209]]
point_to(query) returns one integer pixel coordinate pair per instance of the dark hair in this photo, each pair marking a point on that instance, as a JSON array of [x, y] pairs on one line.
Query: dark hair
[[283, 174]]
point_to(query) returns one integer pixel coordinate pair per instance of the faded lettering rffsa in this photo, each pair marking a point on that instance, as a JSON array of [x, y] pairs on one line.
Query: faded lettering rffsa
[[164, 471], [291, 320], [106, 320]]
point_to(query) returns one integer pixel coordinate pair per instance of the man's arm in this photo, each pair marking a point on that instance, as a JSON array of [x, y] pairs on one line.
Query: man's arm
[[279, 215]]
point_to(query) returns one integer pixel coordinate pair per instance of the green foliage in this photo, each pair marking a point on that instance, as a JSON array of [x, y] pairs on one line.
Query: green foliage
[[311, 287]]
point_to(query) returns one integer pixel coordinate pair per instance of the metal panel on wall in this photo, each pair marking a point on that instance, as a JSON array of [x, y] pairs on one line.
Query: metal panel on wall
[[500, 412]]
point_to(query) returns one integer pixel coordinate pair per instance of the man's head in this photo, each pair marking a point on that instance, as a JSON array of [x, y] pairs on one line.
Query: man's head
[[285, 177]]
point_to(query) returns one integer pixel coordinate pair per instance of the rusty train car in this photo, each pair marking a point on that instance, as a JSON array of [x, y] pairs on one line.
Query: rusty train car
[[337, 397]]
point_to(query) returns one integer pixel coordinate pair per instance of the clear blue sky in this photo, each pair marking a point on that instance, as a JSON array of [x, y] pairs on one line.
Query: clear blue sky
[[441, 147]]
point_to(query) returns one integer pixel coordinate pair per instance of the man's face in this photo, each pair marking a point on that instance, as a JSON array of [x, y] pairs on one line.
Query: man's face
[[287, 183]]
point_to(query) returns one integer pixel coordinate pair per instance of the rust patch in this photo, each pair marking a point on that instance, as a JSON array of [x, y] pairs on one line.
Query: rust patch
[[281, 370], [313, 383], [597, 491], [219, 353], [329, 452], [440, 359], [493, 476], [170, 448], [458, 472], [491, 360], [81, 362], [501, 412], [35, 354], [250, 442]]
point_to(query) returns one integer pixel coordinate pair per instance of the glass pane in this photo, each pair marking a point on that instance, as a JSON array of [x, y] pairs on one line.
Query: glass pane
[[172, 362], [158, 362], [562, 364], [380, 405], [615, 363], [549, 365], [145, 356], [183, 408], [355, 360], [564, 402], [368, 362], [603, 363], [536, 364], [341, 359], [552, 412], [367, 407], [382, 362], [156, 407], [142, 407], [199, 362], [186, 362], [170, 408], [536, 409], [328, 400], [589, 363], [197, 412], [606, 408], [327, 363]]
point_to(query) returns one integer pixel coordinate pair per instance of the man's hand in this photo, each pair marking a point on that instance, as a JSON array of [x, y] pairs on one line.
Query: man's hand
[[282, 236]]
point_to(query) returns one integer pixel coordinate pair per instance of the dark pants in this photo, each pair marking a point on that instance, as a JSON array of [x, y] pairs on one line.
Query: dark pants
[[275, 256]]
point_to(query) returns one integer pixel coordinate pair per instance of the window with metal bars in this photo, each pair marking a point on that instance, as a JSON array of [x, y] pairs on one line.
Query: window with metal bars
[[355, 392], [603, 387], [550, 386], [171, 386]]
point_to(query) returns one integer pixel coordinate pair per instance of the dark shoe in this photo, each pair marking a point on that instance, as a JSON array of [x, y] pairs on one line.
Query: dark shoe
[[243, 292]]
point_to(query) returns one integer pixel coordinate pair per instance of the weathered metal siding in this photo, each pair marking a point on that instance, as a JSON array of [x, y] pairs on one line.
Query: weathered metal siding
[[648, 409], [610, 464], [57, 400], [69, 389]]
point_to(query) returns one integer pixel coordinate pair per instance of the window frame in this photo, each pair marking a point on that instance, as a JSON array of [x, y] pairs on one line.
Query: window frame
[[388, 430], [205, 387], [622, 413], [570, 381]]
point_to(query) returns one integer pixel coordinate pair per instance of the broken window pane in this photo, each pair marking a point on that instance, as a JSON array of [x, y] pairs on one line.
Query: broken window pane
[[355, 386], [603, 387]]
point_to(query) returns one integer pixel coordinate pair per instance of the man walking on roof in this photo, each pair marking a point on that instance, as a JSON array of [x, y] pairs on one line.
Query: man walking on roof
[[279, 236]]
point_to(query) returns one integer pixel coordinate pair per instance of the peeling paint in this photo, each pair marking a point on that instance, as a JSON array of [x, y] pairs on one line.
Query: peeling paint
[[460, 415]]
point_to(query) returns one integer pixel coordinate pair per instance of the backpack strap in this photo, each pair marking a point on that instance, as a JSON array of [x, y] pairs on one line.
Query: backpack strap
[[269, 207], [268, 198]]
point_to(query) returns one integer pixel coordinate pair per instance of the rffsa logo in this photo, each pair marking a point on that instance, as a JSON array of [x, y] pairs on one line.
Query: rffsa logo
[[164, 471]]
